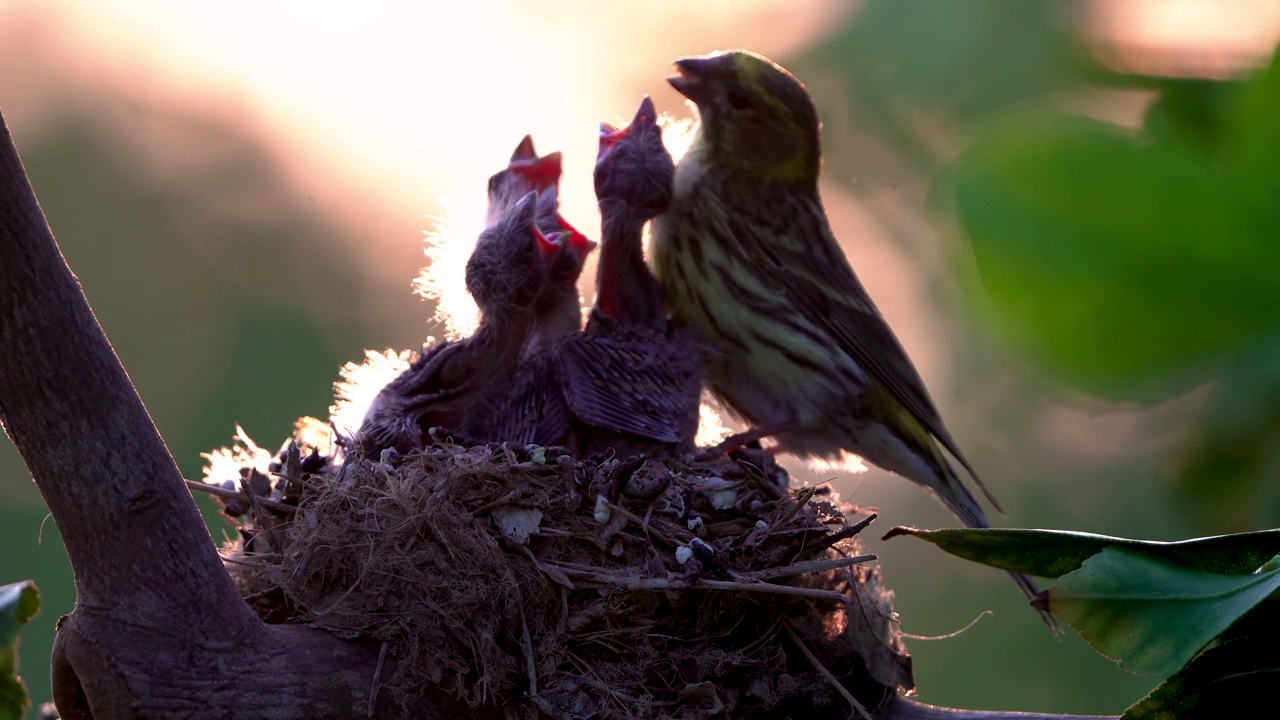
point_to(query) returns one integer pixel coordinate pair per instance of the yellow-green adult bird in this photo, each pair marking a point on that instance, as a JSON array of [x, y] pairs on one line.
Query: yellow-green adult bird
[[747, 258]]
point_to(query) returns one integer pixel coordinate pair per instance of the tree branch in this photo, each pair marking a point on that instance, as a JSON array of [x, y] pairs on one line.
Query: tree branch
[[159, 629], [136, 541]]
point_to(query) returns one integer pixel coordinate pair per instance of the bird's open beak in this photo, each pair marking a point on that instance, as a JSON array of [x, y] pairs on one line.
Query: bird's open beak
[[693, 75], [542, 172], [609, 136], [548, 244], [582, 244], [524, 151]]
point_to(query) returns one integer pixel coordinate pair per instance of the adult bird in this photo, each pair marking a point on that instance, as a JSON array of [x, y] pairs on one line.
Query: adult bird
[[631, 380], [747, 259], [446, 385]]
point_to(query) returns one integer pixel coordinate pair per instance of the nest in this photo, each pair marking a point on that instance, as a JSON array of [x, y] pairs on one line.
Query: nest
[[580, 587]]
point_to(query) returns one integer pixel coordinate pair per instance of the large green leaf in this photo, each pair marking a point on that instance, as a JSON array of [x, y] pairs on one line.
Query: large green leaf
[[1254, 155], [1121, 265], [1150, 614], [19, 602], [1231, 680], [1052, 553]]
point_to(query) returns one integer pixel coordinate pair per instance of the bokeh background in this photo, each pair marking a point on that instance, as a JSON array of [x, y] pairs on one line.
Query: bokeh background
[[242, 189]]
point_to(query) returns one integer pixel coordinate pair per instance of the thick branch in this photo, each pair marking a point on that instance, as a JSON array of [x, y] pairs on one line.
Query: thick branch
[[134, 536], [159, 629]]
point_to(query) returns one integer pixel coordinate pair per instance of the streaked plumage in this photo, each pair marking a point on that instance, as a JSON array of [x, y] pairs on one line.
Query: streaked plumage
[[747, 259], [446, 384], [631, 382]]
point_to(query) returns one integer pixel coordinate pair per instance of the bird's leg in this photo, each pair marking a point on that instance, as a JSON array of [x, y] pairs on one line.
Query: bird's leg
[[746, 437]]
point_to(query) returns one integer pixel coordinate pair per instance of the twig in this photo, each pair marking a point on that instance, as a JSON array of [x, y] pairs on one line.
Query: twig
[[214, 490], [504, 500], [847, 532], [762, 479], [643, 583], [526, 644], [639, 522], [293, 478], [801, 499], [825, 673], [765, 587], [377, 679], [233, 561], [237, 495], [810, 566]]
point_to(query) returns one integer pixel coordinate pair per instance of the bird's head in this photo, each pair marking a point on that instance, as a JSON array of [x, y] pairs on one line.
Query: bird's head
[[512, 260], [633, 166], [574, 249], [756, 117], [525, 172]]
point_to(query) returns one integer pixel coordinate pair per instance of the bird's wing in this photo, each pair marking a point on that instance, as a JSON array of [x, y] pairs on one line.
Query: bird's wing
[[531, 409], [445, 386], [804, 267], [633, 381]]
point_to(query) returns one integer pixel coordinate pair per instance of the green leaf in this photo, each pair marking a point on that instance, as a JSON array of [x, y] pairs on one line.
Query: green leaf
[[1125, 267], [1225, 681], [1225, 465], [19, 602], [1149, 614], [1255, 158], [1052, 553]]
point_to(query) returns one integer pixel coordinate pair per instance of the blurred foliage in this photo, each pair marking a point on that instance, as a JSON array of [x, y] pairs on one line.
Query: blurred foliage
[[1138, 265], [19, 602], [1130, 264], [907, 64]]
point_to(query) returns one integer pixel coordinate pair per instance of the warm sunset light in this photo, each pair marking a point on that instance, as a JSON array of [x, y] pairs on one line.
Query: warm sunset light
[[1059, 221]]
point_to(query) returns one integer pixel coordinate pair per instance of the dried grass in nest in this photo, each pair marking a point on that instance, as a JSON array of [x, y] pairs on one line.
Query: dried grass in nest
[[595, 588]]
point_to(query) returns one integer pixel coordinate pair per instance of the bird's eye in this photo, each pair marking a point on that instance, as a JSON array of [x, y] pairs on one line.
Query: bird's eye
[[738, 100]]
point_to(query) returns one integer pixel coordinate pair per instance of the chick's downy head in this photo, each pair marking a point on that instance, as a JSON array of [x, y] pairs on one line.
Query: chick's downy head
[[512, 260], [633, 166]]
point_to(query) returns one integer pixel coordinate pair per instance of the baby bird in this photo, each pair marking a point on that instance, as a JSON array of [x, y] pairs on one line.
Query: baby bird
[[630, 381], [558, 311], [444, 386]]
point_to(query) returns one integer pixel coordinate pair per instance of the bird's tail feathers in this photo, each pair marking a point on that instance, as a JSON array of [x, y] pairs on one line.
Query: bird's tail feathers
[[956, 496], [978, 481], [960, 501]]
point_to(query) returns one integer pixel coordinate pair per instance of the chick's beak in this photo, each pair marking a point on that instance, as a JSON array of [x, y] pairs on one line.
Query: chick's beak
[[524, 151], [541, 172], [609, 136], [525, 210], [581, 243], [548, 244], [694, 77], [646, 117]]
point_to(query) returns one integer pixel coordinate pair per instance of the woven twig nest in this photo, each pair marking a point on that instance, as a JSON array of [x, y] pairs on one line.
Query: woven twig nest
[[587, 587]]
